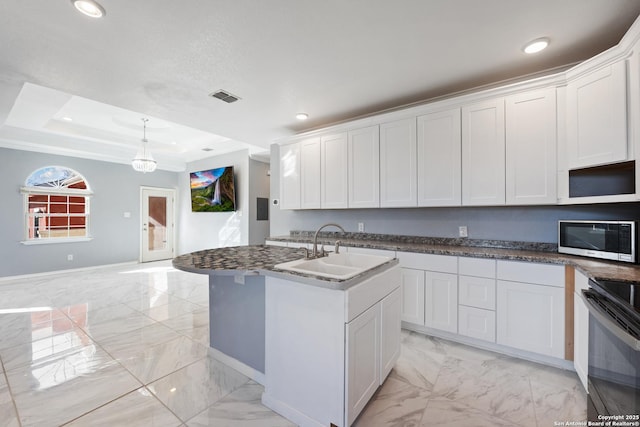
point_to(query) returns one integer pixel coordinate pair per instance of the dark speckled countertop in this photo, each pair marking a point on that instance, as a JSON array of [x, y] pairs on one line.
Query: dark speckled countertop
[[496, 249], [249, 259], [261, 260]]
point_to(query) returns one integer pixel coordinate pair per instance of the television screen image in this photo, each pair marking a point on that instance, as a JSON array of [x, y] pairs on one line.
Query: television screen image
[[213, 190]]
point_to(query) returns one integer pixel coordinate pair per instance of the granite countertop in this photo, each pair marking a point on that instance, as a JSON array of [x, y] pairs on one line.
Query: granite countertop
[[505, 250], [261, 260]]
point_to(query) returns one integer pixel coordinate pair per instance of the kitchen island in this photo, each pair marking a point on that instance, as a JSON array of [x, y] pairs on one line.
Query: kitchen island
[[321, 346]]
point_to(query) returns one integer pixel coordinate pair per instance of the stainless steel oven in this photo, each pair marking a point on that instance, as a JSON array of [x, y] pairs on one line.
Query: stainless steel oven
[[614, 350]]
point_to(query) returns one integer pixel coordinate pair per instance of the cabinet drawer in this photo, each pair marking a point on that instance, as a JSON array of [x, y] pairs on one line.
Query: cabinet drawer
[[363, 295], [429, 262], [477, 323], [529, 272], [477, 292], [478, 267]]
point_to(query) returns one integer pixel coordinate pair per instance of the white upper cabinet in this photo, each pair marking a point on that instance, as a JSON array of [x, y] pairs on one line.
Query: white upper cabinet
[[334, 171], [398, 177], [290, 176], [310, 173], [531, 148], [439, 161], [483, 153], [597, 117], [364, 167]]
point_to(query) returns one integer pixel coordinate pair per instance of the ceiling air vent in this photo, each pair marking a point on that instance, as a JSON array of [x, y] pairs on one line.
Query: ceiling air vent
[[224, 96], [207, 149]]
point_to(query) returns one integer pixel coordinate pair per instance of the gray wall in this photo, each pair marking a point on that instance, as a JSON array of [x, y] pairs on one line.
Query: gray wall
[[116, 189], [528, 224], [205, 230]]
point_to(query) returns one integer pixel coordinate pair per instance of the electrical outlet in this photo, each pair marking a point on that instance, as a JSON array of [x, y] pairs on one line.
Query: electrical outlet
[[361, 227], [70, 257], [462, 231]]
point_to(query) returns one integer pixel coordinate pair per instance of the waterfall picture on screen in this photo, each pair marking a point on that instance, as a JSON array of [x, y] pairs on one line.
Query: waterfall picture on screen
[[213, 190]]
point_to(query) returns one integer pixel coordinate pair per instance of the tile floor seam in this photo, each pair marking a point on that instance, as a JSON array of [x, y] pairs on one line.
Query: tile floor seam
[[13, 400], [172, 372], [216, 402], [182, 422], [98, 407], [533, 403]]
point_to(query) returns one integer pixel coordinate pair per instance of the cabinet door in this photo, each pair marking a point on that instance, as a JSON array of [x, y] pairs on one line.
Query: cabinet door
[[441, 301], [477, 323], [290, 176], [439, 162], [412, 287], [310, 173], [334, 171], [364, 168], [531, 317], [483, 153], [531, 148], [398, 176], [390, 308], [363, 361], [597, 117]]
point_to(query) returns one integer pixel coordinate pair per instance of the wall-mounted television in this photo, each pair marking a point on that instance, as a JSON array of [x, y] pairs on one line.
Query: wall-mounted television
[[213, 190]]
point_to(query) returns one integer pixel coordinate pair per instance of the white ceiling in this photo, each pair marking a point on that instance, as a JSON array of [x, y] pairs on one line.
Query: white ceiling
[[334, 59]]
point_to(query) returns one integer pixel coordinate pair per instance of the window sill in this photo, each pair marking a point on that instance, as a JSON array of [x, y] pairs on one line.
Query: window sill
[[56, 240]]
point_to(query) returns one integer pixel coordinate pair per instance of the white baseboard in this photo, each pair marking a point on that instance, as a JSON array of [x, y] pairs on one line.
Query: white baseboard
[[288, 412], [67, 271], [485, 345], [244, 369]]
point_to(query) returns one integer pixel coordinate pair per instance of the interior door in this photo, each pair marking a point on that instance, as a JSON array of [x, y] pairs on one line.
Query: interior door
[[157, 224]]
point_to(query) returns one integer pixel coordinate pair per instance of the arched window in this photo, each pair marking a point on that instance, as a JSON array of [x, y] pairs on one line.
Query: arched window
[[56, 206]]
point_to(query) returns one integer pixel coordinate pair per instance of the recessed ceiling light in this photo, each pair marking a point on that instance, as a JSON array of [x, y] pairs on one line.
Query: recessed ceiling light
[[89, 8], [536, 45], [67, 119], [302, 116]]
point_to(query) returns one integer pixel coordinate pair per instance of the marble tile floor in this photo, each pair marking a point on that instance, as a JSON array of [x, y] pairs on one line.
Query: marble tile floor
[[127, 346]]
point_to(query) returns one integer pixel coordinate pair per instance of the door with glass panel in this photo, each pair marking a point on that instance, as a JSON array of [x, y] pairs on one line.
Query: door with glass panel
[[157, 224]]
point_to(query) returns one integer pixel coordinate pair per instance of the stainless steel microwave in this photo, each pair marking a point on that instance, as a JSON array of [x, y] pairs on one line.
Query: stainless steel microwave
[[612, 240]]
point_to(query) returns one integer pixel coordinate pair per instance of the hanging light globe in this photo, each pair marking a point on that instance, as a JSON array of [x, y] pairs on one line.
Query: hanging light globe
[[143, 161]]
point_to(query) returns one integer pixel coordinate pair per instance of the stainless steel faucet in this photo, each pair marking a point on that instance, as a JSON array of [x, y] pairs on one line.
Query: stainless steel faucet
[[314, 254]]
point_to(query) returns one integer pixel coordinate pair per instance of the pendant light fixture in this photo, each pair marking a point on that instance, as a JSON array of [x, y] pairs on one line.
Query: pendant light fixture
[[143, 162]]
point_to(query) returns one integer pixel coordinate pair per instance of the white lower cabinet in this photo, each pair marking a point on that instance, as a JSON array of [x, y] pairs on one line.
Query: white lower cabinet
[[531, 317], [327, 351], [373, 347], [363, 360], [441, 301], [477, 292], [477, 323], [412, 286], [429, 285], [390, 308], [477, 298]]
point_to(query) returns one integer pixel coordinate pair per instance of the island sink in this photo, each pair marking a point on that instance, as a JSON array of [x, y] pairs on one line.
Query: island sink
[[335, 266]]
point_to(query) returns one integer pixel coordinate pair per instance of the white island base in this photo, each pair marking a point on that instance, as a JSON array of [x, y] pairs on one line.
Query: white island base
[[327, 351]]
